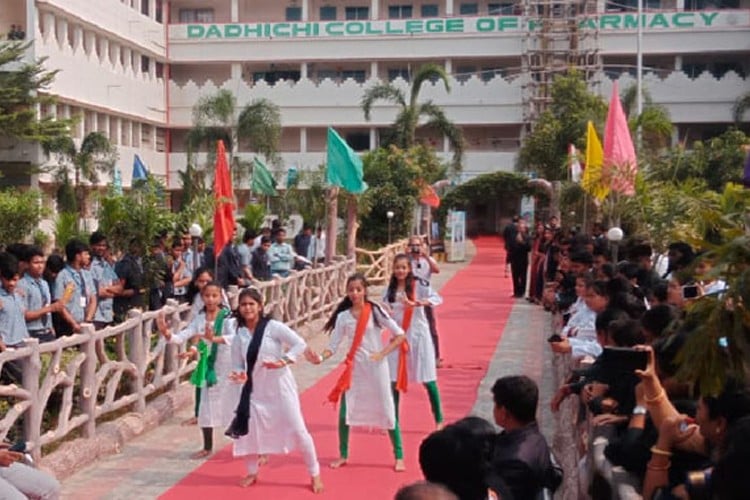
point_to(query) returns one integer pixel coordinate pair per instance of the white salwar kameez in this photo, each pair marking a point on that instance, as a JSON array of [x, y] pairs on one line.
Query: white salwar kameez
[[218, 401], [276, 424], [369, 402], [421, 359]]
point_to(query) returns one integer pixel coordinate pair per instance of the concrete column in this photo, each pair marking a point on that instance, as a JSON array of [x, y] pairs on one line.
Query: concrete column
[[680, 4], [373, 138], [448, 7], [48, 25], [446, 145], [104, 50], [305, 10], [303, 71], [601, 6], [374, 9], [106, 130], [236, 72], [127, 60], [117, 132], [235, 15], [374, 69], [77, 38], [303, 140], [53, 111], [61, 31], [90, 43], [678, 63], [449, 66]]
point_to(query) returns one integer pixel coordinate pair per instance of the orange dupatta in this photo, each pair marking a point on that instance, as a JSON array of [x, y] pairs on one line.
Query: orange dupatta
[[402, 375], [345, 380]]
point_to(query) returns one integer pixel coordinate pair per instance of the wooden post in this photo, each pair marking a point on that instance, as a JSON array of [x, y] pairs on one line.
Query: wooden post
[[332, 206], [88, 381], [351, 226], [137, 356], [32, 422]]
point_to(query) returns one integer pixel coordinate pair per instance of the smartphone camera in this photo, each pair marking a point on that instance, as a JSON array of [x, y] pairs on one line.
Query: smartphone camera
[[689, 291], [415, 249]]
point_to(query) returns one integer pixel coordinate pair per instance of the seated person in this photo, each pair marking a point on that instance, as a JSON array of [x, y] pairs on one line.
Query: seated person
[[521, 457], [19, 481]]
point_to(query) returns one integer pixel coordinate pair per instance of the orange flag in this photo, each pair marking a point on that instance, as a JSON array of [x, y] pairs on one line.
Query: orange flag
[[428, 196], [224, 210]]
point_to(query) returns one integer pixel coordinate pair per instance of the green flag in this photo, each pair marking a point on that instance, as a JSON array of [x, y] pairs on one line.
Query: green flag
[[344, 165], [263, 182]]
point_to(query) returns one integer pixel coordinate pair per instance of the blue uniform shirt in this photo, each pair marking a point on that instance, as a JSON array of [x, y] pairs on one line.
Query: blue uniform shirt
[[103, 274], [35, 295], [12, 325], [76, 306]]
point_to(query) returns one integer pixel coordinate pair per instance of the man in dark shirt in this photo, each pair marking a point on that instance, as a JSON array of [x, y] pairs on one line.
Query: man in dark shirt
[[259, 263], [229, 266], [521, 456], [129, 270]]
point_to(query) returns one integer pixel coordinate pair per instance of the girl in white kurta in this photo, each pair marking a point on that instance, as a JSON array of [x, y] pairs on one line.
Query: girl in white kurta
[[403, 293], [366, 400], [275, 423], [211, 376]]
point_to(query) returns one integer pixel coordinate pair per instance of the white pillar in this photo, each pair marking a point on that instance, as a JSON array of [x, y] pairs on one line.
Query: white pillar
[[374, 9], [90, 43], [117, 133], [236, 72], [374, 69], [61, 32], [104, 50], [53, 111], [448, 7], [678, 62], [449, 66], [303, 140], [235, 11], [373, 138], [305, 10], [303, 71], [49, 26], [77, 38], [680, 5]]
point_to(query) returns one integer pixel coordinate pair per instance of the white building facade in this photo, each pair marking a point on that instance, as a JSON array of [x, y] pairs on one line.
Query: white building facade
[[133, 69]]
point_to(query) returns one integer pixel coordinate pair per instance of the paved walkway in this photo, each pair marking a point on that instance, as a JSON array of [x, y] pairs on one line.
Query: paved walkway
[[152, 463]]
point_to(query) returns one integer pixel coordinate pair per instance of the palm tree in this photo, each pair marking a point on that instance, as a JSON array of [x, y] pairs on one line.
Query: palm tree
[[741, 105], [654, 120], [215, 117], [94, 156], [408, 118]]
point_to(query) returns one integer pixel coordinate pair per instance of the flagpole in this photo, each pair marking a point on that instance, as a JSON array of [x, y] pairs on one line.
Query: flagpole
[[639, 72]]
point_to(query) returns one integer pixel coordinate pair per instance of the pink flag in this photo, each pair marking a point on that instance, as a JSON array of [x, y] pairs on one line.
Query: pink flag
[[620, 163]]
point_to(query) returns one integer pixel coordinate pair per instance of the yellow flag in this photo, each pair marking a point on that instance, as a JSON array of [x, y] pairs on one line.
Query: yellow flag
[[592, 181]]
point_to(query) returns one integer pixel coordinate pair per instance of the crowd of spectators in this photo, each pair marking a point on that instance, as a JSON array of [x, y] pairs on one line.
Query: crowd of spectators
[[620, 326]]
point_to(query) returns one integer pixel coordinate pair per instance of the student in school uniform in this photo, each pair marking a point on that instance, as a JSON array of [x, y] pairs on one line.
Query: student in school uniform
[[82, 304], [36, 297], [13, 332]]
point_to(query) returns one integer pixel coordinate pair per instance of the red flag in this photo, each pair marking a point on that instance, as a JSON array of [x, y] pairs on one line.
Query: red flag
[[224, 210], [620, 163], [428, 196]]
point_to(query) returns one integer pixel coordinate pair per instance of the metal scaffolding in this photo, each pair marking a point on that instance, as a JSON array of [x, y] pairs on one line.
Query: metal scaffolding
[[557, 39]]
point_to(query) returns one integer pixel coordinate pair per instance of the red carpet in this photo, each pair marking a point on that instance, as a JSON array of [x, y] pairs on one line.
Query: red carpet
[[476, 306]]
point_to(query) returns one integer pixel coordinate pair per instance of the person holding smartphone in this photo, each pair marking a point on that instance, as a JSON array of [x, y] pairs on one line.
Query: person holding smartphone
[[18, 480], [423, 267]]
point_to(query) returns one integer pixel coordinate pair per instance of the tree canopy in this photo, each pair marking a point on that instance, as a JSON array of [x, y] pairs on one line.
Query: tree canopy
[[22, 87]]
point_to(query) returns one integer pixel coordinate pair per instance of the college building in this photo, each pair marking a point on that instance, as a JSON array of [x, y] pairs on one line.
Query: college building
[[133, 69]]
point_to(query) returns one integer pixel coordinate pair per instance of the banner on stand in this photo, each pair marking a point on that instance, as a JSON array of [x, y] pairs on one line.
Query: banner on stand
[[455, 236]]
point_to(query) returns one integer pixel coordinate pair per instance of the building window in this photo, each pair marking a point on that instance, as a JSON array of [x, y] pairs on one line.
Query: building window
[[159, 70], [357, 13], [145, 63], [328, 13], [356, 75], [469, 9], [430, 10], [144, 7], [294, 13], [197, 16], [359, 141], [399, 11], [500, 9], [463, 73], [159, 11], [394, 73]]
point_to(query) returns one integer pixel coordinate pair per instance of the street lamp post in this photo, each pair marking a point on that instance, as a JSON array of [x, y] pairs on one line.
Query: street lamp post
[[615, 235], [389, 214], [195, 233]]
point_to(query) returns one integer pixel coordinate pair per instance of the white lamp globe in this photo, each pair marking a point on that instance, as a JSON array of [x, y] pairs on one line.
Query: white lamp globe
[[195, 230], [615, 234]]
